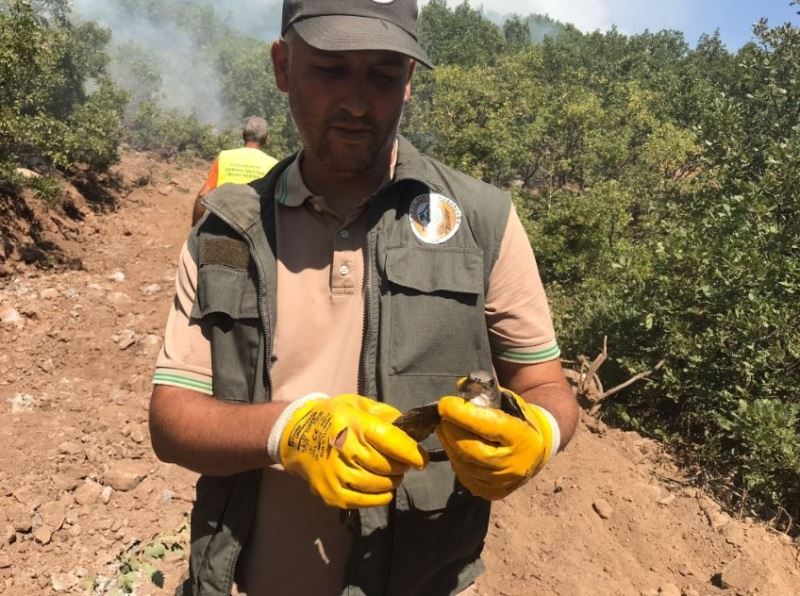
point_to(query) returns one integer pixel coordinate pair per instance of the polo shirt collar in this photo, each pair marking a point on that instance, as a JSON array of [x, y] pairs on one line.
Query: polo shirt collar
[[291, 190]]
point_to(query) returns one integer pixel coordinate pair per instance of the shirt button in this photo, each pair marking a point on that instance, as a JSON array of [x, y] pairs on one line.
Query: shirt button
[[345, 234], [317, 207], [344, 270]]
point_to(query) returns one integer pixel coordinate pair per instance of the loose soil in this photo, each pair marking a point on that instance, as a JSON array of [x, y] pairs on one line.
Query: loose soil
[[85, 508]]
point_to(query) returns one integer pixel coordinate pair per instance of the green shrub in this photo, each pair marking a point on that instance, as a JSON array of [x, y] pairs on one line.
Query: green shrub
[[48, 189]]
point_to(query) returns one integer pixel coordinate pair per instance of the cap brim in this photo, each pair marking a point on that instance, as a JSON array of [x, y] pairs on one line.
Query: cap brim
[[344, 33]]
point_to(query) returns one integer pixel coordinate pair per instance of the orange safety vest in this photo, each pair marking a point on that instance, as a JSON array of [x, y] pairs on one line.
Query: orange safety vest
[[243, 165]]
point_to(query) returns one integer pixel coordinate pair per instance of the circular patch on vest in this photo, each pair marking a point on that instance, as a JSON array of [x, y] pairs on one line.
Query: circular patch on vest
[[434, 218]]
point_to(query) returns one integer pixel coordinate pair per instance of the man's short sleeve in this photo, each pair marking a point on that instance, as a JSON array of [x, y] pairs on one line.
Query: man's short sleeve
[[517, 313], [185, 358]]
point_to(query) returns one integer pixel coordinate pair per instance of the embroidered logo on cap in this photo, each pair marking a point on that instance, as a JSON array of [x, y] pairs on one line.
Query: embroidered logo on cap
[[434, 218]]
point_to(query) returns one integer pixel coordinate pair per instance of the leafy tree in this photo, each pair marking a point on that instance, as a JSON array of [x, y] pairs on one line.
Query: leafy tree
[[46, 67], [460, 36]]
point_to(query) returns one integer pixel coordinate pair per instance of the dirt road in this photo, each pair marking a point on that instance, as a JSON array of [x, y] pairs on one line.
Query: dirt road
[[86, 509]]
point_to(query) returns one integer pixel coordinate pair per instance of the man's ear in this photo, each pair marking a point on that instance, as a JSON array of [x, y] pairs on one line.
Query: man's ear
[[407, 91], [280, 64]]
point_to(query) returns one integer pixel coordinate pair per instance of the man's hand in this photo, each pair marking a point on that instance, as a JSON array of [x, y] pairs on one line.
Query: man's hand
[[491, 452], [347, 449]]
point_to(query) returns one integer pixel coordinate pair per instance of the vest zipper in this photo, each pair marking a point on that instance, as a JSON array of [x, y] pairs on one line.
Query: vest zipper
[[265, 324], [366, 343]]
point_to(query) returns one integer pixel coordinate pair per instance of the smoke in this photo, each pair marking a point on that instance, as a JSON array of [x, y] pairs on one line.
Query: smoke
[[190, 81]]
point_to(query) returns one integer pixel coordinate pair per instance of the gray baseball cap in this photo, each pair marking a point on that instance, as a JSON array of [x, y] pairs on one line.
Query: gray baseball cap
[[346, 25]]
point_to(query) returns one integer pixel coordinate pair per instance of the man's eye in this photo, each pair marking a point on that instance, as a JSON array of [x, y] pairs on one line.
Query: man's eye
[[385, 76], [329, 70]]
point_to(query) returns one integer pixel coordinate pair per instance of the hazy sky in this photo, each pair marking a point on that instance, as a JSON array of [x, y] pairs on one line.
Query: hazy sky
[[734, 18]]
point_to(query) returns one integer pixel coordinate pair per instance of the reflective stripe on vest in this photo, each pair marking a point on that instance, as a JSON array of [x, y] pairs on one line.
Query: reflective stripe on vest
[[244, 165]]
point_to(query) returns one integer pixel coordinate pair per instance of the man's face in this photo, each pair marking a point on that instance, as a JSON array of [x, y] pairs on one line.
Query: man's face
[[346, 105]]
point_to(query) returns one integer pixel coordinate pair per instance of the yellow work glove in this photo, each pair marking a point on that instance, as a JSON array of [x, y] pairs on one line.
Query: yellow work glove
[[346, 448], [494, 453]]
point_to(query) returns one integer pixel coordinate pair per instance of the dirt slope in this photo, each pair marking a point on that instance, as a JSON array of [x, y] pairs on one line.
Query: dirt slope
[[86, 508]]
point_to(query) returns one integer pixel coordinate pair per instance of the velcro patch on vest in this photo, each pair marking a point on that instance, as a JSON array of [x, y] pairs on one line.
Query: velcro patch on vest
[[224, 251]]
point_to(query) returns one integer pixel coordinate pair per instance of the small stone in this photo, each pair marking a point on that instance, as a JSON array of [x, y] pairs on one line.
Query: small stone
[[602, 508], [119, 298], [138, 435], [5, 560], [669, 590], [22, 403], [668, 500], [43, 534], [742, 574], [10, 317], [88, 493], [68, 448], [117, 276], [54, 514], [27, 174], [734, 534], [9, 534], [49, 294], [719, 519], [126, 339], [685, 570], [63, 582], [123, 479], [75, 531], [151, 289], [105, 496]]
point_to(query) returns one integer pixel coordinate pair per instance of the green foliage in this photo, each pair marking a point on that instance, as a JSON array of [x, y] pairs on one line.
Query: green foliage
[[46, 69], [458, 36], [47, 189], [658, 185], [10, 181], [141, 561], [760, 437], [169, 131]]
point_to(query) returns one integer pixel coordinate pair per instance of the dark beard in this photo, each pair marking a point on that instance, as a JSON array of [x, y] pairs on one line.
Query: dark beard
[[351, 164]]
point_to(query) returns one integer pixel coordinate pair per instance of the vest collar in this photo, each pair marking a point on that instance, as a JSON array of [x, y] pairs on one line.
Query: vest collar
[[413, 165], [240, 204]]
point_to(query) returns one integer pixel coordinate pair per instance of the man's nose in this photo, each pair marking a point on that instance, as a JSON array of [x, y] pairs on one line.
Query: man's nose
[[355, 97]]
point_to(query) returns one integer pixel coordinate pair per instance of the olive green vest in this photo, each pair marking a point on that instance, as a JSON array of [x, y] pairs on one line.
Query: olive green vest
[[424, 327]]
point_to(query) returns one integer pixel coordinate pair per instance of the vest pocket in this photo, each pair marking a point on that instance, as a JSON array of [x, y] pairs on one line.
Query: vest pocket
[[226, 308], [438, 537], [227, 291], [436, 309]]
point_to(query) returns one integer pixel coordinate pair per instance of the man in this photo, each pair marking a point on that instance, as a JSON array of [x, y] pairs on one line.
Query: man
[[362, 270], [238, 166]]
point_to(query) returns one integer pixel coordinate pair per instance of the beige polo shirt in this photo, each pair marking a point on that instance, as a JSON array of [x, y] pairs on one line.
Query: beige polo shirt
[[300, 546]]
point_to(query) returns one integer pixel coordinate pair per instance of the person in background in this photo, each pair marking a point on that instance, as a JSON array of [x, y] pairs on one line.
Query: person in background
[[238, 166], [358, 279]]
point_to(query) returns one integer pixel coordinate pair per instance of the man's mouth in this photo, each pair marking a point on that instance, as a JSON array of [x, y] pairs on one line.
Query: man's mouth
[[351, 132]]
